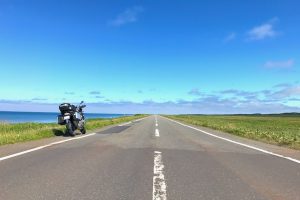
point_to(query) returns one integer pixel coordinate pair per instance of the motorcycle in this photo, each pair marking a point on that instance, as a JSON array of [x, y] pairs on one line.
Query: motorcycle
[[72, 116]]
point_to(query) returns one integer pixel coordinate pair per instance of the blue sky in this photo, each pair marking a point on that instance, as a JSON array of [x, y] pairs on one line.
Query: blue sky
[[151, 56]]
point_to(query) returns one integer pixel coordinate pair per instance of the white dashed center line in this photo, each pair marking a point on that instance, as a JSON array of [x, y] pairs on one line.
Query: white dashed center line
[[156, 132], [159, 183]]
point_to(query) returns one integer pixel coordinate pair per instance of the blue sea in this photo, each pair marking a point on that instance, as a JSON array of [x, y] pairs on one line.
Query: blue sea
[[44, 117]]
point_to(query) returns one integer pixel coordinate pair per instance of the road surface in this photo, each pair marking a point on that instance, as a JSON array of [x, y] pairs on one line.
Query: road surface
[[154, 158]]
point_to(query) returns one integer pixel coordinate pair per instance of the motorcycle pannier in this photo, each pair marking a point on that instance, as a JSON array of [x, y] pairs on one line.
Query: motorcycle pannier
[[60, 120]]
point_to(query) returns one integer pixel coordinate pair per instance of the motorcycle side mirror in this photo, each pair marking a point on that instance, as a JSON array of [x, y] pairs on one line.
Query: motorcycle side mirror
[[81, 102]]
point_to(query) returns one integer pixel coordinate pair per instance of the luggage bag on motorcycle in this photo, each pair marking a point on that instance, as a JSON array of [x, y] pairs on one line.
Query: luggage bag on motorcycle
[[60, 120], [66, 107]]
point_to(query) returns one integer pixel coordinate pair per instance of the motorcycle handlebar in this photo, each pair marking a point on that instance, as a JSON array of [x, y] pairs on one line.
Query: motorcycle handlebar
[[81, 105]]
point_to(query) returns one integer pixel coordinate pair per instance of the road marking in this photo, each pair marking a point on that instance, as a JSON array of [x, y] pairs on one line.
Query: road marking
[[159, 183], [125, 124], [156, 125], [55, 143], [137, 120], [44, 146], [156, 132], [239, 143]]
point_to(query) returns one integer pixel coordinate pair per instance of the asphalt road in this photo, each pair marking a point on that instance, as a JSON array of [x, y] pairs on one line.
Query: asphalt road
[[149, 160]]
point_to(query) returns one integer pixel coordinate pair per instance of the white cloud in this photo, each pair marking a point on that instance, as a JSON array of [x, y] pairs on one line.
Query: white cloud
[[39, 99], [195, 91], [95, 92], [280, 98], [69, 93], [263, 31], [208, 104], [291, 91], [282, 85], [286, 64], [230, 37], [128, 16]]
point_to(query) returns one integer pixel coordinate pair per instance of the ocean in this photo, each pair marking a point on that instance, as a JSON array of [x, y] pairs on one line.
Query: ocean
[[44, 117]]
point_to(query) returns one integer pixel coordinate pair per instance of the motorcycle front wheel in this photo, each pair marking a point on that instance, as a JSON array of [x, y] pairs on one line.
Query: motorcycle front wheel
[[83, 130]]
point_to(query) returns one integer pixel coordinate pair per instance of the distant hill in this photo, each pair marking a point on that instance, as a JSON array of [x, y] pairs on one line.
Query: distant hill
[[292, 114]]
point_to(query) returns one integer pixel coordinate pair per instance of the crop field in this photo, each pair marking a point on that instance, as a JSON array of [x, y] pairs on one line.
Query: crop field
[[13, 133], [283, 130]]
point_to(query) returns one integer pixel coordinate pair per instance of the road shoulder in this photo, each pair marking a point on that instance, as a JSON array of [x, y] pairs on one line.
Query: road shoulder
[[9, 149]]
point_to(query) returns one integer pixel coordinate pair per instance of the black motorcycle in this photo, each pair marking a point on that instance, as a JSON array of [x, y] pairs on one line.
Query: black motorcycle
[[73, 117]]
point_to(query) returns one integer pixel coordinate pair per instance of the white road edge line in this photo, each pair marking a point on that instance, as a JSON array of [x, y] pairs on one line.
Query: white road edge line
[[239, 143], [54, 143], [125, 124], [159, 183], [44, 146], [156, 132], [137, 120]]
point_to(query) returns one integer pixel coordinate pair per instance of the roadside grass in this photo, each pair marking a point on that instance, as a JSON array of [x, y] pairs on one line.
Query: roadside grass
[[282, 130], [21, 132]]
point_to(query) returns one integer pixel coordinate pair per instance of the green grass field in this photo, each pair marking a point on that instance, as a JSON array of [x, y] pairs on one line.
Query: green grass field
[[283, 130], [13, 133]]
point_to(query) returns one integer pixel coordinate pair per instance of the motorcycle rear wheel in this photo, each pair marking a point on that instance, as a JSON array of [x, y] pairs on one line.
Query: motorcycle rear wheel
[[70, 129]]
